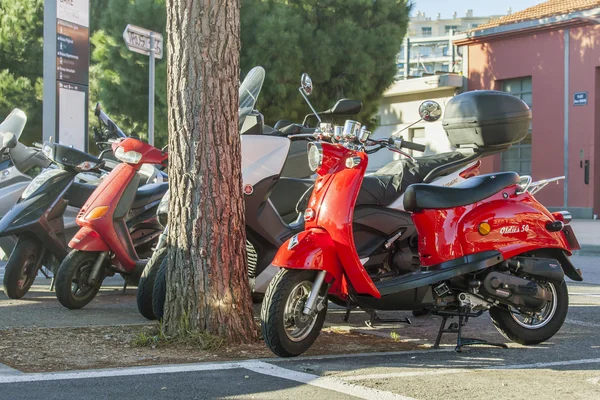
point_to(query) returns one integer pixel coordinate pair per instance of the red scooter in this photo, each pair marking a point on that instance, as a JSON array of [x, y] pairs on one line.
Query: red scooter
[[104, 243], [484, 244]]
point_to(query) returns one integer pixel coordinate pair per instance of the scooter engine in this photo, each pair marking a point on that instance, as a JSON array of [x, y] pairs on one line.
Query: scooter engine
[[514, 291]]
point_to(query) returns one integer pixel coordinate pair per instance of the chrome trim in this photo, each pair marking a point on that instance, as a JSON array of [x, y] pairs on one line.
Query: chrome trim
[[351, 129]]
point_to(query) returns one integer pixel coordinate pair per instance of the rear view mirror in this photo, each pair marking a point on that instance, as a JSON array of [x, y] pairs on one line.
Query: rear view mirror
[[9, 141], [306, 84], [430, 111]]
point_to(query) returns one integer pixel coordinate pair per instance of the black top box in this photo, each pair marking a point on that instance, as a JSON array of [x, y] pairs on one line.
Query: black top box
[[486, 119]]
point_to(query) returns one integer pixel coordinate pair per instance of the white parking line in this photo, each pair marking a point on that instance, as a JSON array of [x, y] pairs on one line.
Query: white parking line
[[548, 364], [107, 373], [333, 384], [406, 374], [260, 367], [582, 323]]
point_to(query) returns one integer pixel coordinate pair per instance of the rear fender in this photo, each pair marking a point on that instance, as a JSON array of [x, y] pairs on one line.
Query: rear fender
[[312, 250], [88, 240]]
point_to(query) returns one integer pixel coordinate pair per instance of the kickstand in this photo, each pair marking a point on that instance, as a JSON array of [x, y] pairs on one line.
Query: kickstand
[[346, 317], [374, 318], [52, 284], [43, 271], [124, 287], [454, 327]]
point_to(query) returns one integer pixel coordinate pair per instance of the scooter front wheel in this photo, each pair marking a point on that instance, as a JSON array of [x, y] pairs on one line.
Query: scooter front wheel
[[286, 329], [22, 267], [72, 287]]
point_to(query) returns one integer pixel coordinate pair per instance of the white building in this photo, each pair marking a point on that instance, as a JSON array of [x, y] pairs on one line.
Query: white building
[[434, 71], [428, 45]]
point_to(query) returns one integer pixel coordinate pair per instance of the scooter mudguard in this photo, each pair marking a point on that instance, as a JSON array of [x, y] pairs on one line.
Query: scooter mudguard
[[88, 240], [312, 250]]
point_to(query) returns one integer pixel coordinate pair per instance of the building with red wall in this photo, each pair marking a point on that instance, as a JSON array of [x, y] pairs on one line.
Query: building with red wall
[[548, 55]]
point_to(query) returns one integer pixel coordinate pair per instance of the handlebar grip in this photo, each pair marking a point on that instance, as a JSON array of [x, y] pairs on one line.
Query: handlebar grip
[[413, 146]]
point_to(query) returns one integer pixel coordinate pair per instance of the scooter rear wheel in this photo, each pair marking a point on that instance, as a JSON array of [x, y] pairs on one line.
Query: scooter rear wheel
[[72, 288], [286, 329], [529, 329], [146, 285], [21, 268]]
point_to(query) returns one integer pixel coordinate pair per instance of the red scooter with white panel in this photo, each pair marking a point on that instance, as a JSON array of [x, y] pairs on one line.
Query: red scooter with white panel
[[104, 244], [485, 244]]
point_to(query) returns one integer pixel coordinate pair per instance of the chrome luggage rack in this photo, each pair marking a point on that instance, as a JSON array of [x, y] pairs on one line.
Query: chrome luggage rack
[[527, 184]]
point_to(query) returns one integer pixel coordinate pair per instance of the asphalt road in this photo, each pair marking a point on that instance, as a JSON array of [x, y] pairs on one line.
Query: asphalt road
[[568, 366]]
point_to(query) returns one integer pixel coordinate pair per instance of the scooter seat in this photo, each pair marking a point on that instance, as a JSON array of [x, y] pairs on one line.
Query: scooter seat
[[149, 193], [389, 182], [424, 196], [78, 193]]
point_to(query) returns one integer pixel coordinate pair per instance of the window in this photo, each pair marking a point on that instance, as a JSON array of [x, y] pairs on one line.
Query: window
[[453, 28], [474, 26], [518, 157], [426, 31], [417, 135]]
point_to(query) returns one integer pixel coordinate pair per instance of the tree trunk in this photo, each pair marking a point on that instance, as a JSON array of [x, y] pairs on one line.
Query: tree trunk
[[207, 280]]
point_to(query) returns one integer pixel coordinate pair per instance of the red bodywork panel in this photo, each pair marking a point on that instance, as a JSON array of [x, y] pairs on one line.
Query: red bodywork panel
[[102, 229], [333, 215], [518, 225], [150, 154], [87, 239], [315, 250]]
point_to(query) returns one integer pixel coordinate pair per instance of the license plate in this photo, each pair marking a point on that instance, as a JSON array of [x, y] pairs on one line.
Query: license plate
[[571, 239]]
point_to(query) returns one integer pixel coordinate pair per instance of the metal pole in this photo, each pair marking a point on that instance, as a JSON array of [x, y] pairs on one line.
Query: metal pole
[[151, 93], [407, 58]]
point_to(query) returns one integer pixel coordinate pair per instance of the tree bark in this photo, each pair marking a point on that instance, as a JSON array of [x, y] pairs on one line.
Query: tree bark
[[207, 280]]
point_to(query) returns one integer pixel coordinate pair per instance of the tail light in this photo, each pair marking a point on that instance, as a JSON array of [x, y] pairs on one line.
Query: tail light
[[563, 216], [471, 171]]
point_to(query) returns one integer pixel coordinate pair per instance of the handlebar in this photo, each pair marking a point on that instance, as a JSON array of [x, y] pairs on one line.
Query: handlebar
[[405, 144]]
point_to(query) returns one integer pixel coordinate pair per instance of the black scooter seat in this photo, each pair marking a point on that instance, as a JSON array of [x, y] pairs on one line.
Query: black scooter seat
[[388, 183], [149, 193], [424, 196]]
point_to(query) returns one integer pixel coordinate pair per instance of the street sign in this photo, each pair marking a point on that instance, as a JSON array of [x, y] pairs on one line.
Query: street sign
[[138, 39], [580, 98], [150, 44]]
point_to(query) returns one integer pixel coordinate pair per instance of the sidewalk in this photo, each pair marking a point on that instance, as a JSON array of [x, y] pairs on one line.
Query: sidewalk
[[587, 232]]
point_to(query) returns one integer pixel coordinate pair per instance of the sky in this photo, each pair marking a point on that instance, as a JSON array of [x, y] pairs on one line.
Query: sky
[[479, 7]]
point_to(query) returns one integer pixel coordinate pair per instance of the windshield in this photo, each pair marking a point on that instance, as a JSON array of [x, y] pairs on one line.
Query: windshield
[[249, 91]]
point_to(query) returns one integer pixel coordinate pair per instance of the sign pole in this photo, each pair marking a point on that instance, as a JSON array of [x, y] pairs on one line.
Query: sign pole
[[151, 93]]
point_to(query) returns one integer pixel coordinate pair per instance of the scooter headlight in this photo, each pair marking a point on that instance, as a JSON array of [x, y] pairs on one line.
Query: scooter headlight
[[315, 156], [38, 181], [130, 157]]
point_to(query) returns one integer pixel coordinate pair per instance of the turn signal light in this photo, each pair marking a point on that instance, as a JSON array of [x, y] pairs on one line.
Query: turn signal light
[[484, 228], [97, 212], [309, 214]]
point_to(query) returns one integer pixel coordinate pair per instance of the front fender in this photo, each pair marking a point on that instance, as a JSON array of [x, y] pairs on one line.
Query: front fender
[[88, 240], [312, 249]]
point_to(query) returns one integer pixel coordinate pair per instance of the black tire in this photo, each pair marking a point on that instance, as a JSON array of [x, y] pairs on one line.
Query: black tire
[[159, 291], [511, 330], [21, 267], [75, 267], [146, 284], [272, 314]]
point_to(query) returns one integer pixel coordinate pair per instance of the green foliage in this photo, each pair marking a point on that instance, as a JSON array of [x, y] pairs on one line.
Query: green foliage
[[348, 47], [119, 77], [21, 52]]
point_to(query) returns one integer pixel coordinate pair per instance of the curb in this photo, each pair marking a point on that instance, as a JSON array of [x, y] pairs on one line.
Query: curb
[[588, 249]]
